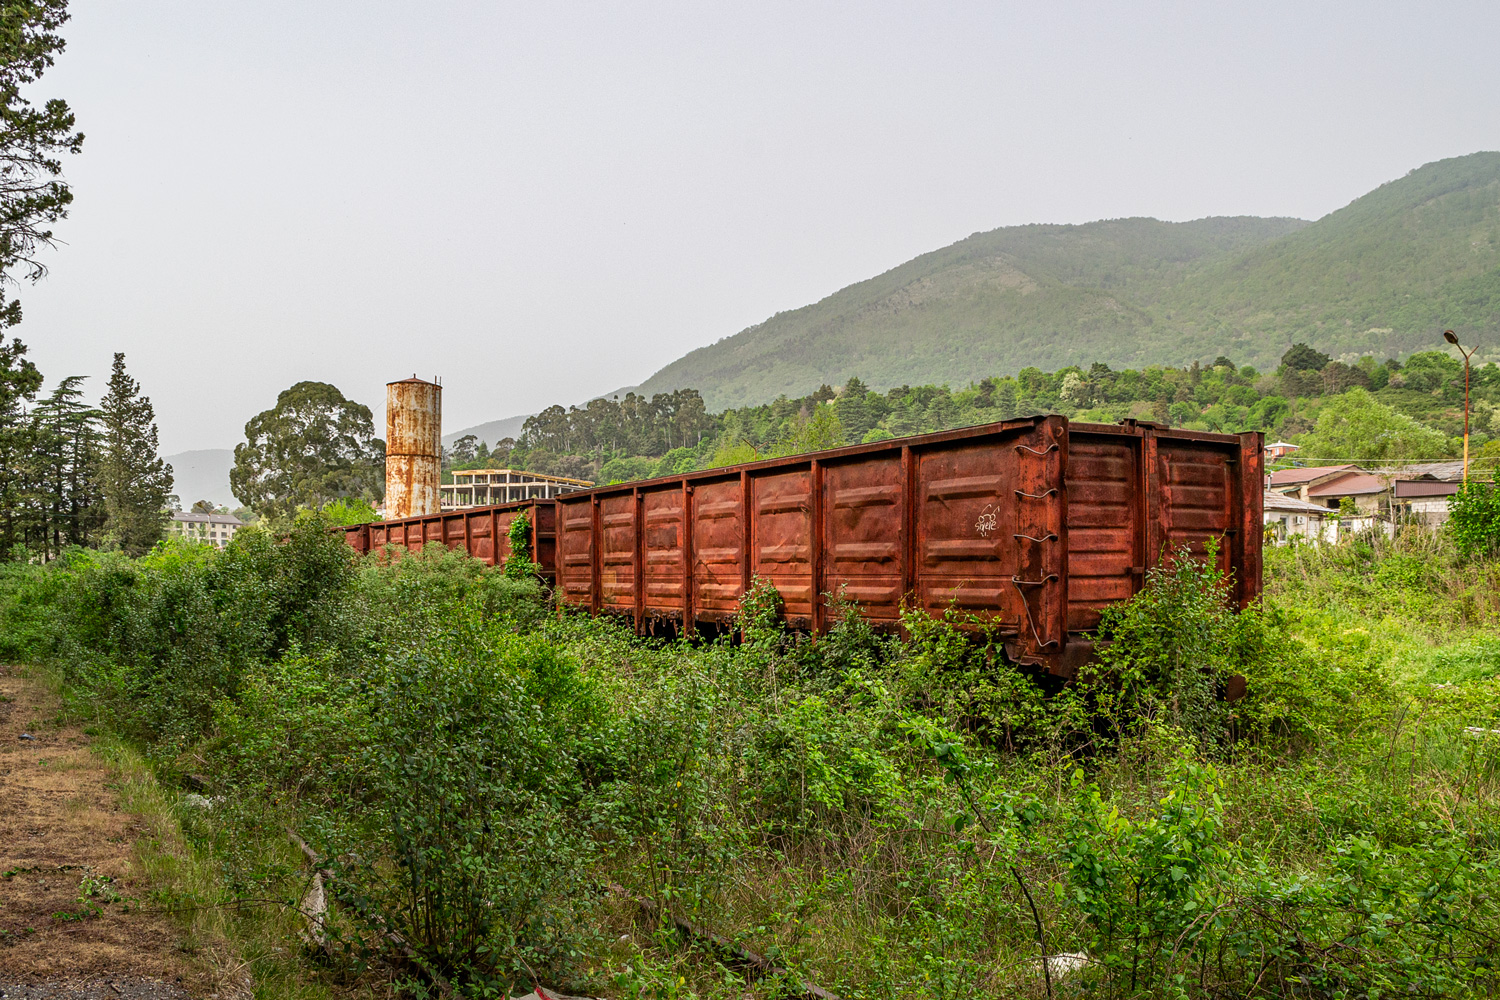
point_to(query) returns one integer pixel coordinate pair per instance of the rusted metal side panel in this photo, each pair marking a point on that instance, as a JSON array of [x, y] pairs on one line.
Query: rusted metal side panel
[[358, 538], [864, 533], [966, 514], [478, 535], [502, 521], [1036, 525], [664, 569], [781, 538], [619, 549], [1250, 501], [543, 515], [1041, 539], [718, 548], [744, 522], [1197, 496], [638, 562], [1105, 538], [454, 535], [575, 549], [689, 607], [1154, 515]]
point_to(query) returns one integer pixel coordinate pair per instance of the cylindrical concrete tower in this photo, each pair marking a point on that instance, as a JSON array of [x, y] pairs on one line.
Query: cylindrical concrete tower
[[413, 447]]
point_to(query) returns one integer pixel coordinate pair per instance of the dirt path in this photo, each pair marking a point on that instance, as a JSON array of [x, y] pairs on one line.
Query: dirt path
[[62, 834]]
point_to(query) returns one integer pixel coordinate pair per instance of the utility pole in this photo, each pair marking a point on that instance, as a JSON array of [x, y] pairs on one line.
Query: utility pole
[[1452, 338]]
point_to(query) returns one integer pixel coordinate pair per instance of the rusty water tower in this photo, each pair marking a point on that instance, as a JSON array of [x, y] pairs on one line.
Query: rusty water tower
[[413, 447]]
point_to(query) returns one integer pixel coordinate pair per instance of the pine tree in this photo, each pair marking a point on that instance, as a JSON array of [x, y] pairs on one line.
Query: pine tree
[[133, 479], [70, 510], [19, 382], [33, 195]]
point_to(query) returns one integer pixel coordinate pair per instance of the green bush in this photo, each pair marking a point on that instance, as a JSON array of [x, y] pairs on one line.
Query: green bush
[[1474, 518], [1166, 653], [472, 764]]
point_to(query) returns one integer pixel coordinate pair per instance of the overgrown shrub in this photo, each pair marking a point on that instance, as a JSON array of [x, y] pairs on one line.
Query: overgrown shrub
[[1474, 518], [473, 770], [1166, 653]]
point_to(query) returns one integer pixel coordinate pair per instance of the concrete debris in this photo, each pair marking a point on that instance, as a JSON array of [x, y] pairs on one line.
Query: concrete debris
[[1068, 961]]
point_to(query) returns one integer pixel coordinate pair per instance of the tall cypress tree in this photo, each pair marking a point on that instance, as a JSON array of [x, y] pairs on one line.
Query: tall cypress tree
[[133, 479]]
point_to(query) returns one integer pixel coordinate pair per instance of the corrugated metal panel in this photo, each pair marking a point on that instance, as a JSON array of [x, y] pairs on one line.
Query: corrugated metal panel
[[575, 550], [865, 533], [663, 570], [781, 537], [617, 527], [718, 548]]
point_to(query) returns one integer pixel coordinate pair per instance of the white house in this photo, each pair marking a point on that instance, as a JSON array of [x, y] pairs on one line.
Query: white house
[[1287, 518]]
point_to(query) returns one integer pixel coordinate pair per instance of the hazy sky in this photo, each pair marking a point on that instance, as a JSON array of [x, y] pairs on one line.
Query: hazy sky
[[542, 202]]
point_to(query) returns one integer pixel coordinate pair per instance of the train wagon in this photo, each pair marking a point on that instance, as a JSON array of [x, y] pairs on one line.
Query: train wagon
[[1033, 525]]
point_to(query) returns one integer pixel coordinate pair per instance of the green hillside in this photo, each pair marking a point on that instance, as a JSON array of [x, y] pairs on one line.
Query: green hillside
[[1379, 275], [1384, 274]]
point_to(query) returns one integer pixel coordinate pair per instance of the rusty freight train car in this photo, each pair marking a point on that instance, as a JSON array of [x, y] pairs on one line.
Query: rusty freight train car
[[483, 532], [1035, 525]]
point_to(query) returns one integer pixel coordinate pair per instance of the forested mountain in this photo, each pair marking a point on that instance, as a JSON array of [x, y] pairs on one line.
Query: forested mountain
[[1381, 275], [1389, 411]]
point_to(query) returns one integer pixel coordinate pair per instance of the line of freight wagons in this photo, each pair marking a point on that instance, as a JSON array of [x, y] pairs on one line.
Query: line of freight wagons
[[1034, 524]]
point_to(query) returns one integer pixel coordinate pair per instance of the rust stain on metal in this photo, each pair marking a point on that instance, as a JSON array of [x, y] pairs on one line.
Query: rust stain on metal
[[1032, 525], [413, 447]]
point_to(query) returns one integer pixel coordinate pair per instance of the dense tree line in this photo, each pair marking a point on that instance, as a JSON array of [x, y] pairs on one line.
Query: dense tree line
[[1364, 410], [70, 474]]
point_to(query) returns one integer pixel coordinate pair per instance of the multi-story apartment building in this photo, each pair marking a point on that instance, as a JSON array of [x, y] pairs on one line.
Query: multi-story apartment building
[[215, 529]]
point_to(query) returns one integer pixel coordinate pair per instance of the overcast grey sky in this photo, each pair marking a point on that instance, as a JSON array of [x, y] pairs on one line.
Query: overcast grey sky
[[542, 202]]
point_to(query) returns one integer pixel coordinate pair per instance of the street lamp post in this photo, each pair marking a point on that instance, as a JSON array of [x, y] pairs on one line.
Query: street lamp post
[[1452, 338]]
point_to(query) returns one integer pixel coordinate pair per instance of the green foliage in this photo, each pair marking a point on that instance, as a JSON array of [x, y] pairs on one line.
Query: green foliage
[[1474, 518], [519, 564], [313, 447], [1145, 884], [472, 763], [49, 464], [625, 470], [1357, 427], [883, 813], [134, 482], [1171, 648], [31, 146], [1301, 358], [350, 510]]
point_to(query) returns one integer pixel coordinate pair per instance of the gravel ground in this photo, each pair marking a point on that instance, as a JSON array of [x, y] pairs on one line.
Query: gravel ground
[[94, 988]]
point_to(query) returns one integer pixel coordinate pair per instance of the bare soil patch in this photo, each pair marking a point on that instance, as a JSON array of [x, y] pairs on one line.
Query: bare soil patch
[[63, 833]]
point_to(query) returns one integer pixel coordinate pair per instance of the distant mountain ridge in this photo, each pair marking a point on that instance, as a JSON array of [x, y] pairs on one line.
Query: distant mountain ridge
[[1384, 274]]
